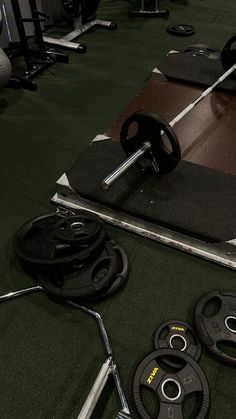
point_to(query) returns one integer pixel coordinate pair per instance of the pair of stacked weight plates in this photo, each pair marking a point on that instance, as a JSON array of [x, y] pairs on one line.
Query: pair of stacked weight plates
[[72, 256], [168, 382]]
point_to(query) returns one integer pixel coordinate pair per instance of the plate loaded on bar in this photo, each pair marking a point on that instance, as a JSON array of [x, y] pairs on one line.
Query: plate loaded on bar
[[71, 257], [177, 335], [169, 388], [154, 206], [228, 56], [153, 154], [215, 322]]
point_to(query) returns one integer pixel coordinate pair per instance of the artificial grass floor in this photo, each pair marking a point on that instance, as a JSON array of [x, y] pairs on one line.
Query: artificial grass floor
[[50, 353]]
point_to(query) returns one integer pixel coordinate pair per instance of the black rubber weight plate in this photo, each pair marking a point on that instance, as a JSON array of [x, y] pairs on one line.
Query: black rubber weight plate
[[152, 377], [180, 29], [105, 275], [215, 322], [177, 335], [42, 246]]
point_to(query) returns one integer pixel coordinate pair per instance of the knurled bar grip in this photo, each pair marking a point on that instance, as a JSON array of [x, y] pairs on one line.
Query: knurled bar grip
[[123, 167]]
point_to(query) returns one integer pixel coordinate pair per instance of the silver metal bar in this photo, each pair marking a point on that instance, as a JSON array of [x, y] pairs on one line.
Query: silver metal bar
[[97, 316], [96, 390], [120, 170], [20, 293], [94, 393], [223, 254], [120, 389]]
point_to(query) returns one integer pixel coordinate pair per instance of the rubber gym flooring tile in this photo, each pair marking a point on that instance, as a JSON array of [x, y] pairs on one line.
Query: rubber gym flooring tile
[[36, 368], [37, 170], [14, 211]]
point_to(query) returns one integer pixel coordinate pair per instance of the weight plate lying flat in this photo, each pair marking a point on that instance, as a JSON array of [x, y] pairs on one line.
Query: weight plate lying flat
[[220, 327], [180, 29], [228, 56], [90, 280], [119, 279], [78, 229], [41, 245], [180, 336], [151, 376], [163, 157], [203, 50]]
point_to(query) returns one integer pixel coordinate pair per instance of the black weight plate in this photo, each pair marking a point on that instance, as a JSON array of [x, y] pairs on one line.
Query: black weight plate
[[203, 50], [228, 56], [78, 229], [119, 278], [173, 331], [180, 29], [218, 327], [88, 280], [89, 8], [38, 248], [150, 375], [72, 7], [163, 157]]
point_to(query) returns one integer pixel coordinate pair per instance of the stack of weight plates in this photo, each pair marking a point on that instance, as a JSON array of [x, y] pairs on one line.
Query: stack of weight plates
[[71, 256]]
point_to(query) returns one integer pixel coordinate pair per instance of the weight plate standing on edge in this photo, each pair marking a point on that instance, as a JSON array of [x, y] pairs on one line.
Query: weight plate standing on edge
[[173, 331], [90, 280], [39, 247], [203, 50], [228, 56], [220, 327], [180, 29], [151, 376], [163, 157]]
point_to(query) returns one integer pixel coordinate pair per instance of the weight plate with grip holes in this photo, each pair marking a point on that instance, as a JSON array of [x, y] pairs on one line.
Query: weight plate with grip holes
[[81, 228], [175, 332], [88, 281], [203, 50], [152, 376], [119, 279], [180, 29], [215, 323], [228, 55], [37, 246], [162, 158]]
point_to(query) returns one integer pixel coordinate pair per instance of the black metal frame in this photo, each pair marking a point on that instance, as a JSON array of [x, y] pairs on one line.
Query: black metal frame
[[36, 60]]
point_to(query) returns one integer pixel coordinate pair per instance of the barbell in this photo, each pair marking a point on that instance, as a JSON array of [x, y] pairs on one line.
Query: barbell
[[148, 142]]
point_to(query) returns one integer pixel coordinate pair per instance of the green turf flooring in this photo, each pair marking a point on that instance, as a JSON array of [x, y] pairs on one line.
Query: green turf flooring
[[50, 354]]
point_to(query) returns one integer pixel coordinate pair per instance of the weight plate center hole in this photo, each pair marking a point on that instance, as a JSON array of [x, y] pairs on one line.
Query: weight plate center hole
[[133, 130], [171, 389], [230, 323], [77, 226], [178, 342]]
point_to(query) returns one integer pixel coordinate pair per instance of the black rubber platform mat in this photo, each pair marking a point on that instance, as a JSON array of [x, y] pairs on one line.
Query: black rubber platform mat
[[192, 199], [196, 70]]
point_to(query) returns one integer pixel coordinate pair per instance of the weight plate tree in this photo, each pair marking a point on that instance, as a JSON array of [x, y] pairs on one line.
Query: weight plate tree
[[215, 322], [177, 335], [151, 376]]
